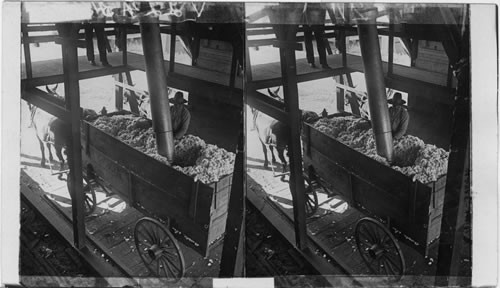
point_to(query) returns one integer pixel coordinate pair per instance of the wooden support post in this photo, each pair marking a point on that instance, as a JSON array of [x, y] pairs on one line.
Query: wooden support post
[[340, 93], [353, 100], [124, 44], [248, 66], [414, 52], [118, 92], [27, 51], [232, 259], [132, 99], [391, 43], [234, 63], [343, 47], [171, 66], [451, 239], [72, 94], [286, 33]]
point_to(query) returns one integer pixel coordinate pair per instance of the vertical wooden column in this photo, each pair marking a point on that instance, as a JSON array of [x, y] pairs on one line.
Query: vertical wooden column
[[353, 101], [391, 42], [172, 47], [451, 238], [232, 259], [286, 34], [69, 32], [340, 93], [27, 51], [124, 44], [132, 98], [118, 91]]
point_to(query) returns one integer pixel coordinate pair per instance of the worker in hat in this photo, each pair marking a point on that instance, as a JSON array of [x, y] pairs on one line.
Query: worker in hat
[[398, 115], [180, 115]]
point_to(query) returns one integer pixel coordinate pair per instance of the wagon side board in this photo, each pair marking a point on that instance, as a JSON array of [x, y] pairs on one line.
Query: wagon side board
[[195, 209], [412, 207]]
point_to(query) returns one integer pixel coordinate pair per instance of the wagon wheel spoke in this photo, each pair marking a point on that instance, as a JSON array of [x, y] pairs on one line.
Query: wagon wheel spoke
[[167, 269], [367, 237], [311, 201], [171, 264], [393, 263], [146, 238], [384, 251], [390, 266], [157, 267], [89, 199]]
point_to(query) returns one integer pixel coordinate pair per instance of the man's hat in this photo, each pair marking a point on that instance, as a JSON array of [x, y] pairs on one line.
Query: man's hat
[[178, 98], [397, 99]]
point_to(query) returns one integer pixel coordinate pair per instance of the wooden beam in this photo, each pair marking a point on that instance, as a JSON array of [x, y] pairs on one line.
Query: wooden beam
[[339, 79], [353, 99], [457, 182], [173, 40], [391, 43], [278, 81], [266, 104], [42, 100], [95, 73], [132, 100], [291, 98], [118, 91], [27, 52], [72, 95]]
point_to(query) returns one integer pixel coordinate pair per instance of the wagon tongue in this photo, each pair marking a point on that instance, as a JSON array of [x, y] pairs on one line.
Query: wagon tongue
[[158, 90]]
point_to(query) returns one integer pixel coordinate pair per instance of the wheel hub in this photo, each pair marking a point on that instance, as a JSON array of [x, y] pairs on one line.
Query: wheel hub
[[375, 251], [154, 251]]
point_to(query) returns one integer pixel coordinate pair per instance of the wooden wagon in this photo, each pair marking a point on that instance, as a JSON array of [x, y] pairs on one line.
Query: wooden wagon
[[174, 201], [411, 209]]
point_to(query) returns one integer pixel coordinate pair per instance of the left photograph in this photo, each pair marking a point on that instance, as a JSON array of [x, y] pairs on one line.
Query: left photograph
[[131, 143]]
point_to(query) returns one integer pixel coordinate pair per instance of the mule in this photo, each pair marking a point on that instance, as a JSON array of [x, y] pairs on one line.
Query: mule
[[275, 134], [52, 131]]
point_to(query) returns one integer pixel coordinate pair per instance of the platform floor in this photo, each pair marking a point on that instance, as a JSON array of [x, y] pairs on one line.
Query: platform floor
[[354, 62], [54, 67]]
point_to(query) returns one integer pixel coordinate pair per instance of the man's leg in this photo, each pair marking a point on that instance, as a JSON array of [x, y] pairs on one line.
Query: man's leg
[[319, 34], [309, 45], [89, 43], [101, 42]]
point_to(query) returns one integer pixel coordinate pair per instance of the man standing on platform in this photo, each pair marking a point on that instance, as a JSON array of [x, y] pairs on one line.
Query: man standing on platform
[[314, 19], [97, 23]]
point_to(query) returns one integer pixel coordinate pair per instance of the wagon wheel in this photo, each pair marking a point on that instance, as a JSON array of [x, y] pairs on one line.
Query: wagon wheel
[[379, 249], [312, 197], [90, 202], [158, 249], [311, 201]]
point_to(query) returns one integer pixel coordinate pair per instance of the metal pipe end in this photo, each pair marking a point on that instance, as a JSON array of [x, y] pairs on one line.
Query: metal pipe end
[[165, 147]]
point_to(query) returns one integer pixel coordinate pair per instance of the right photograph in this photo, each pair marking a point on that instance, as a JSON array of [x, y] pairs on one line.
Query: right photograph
[[358, 144]]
